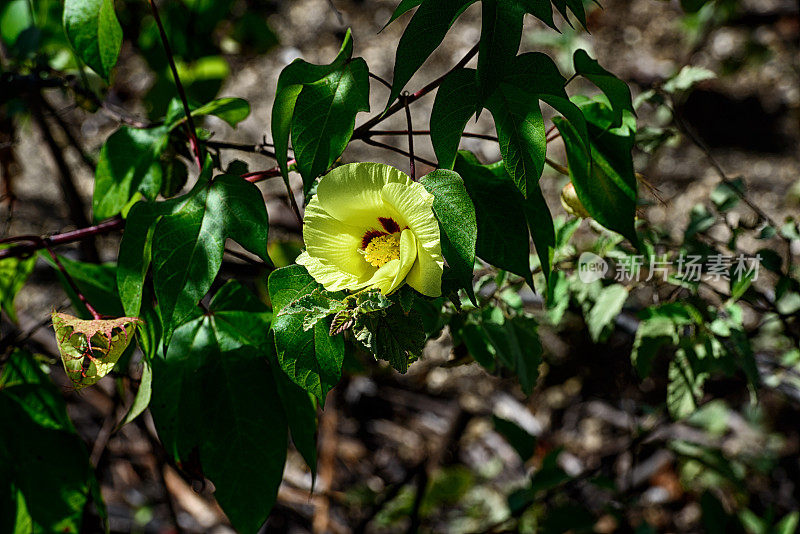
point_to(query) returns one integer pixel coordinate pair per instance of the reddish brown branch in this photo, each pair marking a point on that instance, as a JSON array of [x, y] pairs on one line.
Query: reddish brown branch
[[378, 144], [487, 137], [363, 130], [252, 149], [181, 93], [32, 243], [274, 172]]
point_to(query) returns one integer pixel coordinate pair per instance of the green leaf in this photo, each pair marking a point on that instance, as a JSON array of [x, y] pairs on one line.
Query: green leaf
[[422, 36], [188, 243], [456, 213], [22, 367], [392, 335], [521, 133], [517, 346], [174, 175], [538, 75], [501, 32], [371, 301], [94, 32], [135, 250], [727, 195], [312, 359], [519, 438], [313, 307], [541, 9], [290, 82], [687, 78], [692, 6], [90, 348], [606, 308], [185, 239], [502, 232], [540, 223], [403, 7], [96, 282], [518, 119], [575, 6], [605, 184], [617, 91], [685, 385], [456, 101], [231, 110], [788, 524], [128, 164], [43, 462], [651, 336], [216, 394], [406, 297], [15, 18], [301, 414], [143, 395], [14, 272], [325, 115]]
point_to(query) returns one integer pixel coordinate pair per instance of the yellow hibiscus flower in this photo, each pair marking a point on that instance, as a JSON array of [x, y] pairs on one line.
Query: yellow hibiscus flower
[[371, 226]]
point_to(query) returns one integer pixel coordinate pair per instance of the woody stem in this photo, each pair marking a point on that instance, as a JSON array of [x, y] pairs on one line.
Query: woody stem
[[46, 244]]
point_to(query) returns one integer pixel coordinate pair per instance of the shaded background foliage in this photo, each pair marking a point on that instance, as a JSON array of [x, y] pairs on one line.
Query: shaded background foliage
[[595, 447]]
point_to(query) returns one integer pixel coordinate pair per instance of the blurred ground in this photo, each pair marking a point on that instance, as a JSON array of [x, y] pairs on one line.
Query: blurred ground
[[379, 433]]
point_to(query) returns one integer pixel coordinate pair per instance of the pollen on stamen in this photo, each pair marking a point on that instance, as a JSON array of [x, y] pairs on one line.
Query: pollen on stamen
[[382, 249], [369, 236]]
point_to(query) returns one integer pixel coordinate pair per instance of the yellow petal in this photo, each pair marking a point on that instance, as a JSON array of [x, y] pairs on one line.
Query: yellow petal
[[331, 278], [426, 274], [392, 274], [335, 242], [352, 193], [414, 205]]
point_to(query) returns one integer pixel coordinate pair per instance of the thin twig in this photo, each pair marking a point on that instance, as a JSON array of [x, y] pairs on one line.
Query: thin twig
[[87, 160], [396, 149], [557, 166], [388, 496], [293, 204], [363, 130], [328, 438], [274, 172], [411, 164], [161, 464], [378, 78], [105, 433], [338, 13], [422, 486], [258, 176], [252, 149], [553, 137], [67, 182], [245, 258], [181, 93], [70, 281], [687, 130], [373, 133], [35, 242]]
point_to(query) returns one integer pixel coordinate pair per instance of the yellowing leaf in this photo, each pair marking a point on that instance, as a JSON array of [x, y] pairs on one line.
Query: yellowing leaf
[[91, 348]]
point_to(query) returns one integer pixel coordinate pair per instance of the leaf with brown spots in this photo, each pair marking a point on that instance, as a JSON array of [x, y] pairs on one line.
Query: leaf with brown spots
[[91, 348]]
